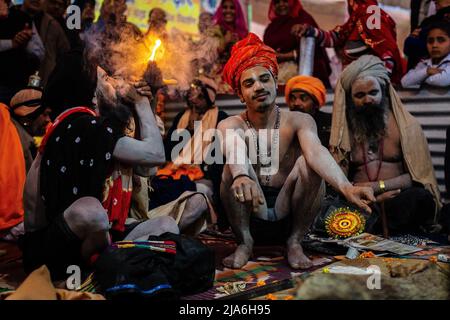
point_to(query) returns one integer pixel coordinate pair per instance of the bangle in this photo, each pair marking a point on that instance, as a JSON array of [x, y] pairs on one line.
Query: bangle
[[241, 175], [382, 186], [295, 55]]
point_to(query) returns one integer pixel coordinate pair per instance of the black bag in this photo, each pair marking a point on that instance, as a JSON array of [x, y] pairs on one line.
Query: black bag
[[141, 273], [194, 267]]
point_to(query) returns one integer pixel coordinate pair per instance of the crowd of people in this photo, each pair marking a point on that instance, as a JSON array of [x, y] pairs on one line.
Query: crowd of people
[[85, 159]]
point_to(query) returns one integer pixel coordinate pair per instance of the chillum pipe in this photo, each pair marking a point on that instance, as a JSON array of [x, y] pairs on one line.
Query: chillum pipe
[[306, 61]]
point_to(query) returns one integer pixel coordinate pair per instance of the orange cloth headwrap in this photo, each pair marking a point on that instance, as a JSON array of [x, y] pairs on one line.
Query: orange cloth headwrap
[[311, 85], [246, 54]]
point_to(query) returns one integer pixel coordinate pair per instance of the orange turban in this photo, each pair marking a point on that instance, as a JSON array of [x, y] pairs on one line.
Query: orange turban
[[246, 54], [311, 85]]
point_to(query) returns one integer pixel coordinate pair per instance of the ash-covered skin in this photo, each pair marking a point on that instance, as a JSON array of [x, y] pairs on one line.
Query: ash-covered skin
[[303, 165], [372, 122], [86, 217]]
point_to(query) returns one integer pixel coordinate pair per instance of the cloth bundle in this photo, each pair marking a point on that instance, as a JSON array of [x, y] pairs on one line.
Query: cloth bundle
[[166, 267]]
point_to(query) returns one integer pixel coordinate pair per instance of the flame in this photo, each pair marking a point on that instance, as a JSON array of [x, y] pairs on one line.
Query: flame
[[152, 57], [155, 48]]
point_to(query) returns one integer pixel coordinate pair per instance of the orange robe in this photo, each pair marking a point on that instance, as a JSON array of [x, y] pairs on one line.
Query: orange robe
[[12, 172]]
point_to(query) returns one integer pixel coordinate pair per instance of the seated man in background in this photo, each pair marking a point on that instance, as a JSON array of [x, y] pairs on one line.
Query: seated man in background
[[30, 118], [307, 94], [205, 22], [157, 22], [201, 109], [381, 145]]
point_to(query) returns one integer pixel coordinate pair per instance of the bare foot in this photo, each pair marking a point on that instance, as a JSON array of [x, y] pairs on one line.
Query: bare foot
[[297, 259], [239, 258]]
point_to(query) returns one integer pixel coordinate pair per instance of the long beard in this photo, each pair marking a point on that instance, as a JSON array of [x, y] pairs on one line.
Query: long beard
[[369, 123]]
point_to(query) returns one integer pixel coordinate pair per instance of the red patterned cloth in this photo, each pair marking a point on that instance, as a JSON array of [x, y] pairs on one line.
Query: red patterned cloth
[[118, 203], [248, 53], [382, 41]]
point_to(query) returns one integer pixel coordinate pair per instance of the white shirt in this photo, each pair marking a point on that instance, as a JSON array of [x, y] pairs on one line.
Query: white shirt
[[418, 76]]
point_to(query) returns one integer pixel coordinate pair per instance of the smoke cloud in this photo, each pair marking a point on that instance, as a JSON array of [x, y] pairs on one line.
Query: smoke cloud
[[125, 52]]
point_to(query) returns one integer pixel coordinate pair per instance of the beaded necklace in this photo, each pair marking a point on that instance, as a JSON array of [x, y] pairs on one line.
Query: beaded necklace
[[264, 158], [380, 158]]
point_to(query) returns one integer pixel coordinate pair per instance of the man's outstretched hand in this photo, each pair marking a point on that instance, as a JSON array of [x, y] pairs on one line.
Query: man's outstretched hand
[[246, 191], [360, 196]]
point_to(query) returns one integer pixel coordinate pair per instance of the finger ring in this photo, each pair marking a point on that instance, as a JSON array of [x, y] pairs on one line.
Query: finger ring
[[238, 195]]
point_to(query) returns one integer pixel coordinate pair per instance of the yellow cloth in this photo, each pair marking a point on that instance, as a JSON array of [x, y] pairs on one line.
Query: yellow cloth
[[193, 152], [175, 209], [413, 142], [311, 85], [38, 286], [12, 172]]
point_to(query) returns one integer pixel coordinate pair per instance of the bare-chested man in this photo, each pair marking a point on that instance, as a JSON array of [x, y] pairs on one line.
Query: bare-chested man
[[385, 148], [279, 207], [78, 192]]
